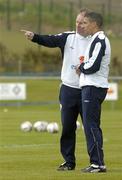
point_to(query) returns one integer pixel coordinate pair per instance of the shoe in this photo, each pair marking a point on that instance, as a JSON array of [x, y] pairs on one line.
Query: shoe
[[94, 169], [65, 167]]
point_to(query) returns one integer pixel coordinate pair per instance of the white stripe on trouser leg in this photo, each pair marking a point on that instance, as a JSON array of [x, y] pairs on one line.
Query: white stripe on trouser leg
[[96, 142]]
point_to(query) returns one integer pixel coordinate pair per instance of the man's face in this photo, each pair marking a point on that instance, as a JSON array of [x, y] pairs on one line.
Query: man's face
[[88, 26], [79, 21]]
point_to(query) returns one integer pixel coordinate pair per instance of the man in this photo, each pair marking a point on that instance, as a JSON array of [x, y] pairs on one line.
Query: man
[[72, 46], [94, 83]]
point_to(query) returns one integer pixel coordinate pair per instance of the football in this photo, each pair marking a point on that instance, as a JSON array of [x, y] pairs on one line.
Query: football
[[40, 126], [26, 126], [52, 127]]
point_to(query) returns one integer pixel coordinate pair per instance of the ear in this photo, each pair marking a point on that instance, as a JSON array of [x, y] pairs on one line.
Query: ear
[[94, 24]]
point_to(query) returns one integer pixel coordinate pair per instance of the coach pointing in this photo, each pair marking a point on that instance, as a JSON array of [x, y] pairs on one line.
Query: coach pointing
[[72, 46]]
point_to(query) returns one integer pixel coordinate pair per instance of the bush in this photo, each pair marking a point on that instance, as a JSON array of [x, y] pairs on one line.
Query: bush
[[35, 61]]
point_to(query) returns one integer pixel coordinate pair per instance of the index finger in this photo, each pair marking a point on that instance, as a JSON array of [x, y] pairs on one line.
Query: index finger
[[23, 30]]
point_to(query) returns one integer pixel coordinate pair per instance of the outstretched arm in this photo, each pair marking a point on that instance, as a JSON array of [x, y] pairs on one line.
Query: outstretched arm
[[52, 41]]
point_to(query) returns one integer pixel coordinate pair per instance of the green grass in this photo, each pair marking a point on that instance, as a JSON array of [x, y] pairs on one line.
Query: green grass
[[35, 156]]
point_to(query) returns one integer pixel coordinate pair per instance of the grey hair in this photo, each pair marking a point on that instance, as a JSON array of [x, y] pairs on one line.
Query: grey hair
[[85, 10], [95, 17]]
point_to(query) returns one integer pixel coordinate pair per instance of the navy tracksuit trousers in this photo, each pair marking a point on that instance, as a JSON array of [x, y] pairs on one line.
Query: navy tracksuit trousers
[[92, 98], [87, 102], [70, 100]]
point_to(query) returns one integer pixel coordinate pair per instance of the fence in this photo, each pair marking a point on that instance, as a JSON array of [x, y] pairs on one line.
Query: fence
[[49, 16], [16, 13]]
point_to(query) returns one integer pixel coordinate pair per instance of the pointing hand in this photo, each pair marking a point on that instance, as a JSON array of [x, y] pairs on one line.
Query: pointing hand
[[29, 35]]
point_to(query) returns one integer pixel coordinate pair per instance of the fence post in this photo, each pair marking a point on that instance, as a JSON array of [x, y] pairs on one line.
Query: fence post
[[109, 10], [23, 5], [80, 4], [71, 15], [39, 25], [20, 67], [8, 14], [51, 6], [103, 9]]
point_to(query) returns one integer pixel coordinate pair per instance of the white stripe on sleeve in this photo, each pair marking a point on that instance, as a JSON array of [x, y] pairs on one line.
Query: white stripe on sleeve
[[89, 63]]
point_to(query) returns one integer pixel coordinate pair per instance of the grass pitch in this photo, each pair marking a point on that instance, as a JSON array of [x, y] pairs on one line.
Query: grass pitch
[[36, 156]]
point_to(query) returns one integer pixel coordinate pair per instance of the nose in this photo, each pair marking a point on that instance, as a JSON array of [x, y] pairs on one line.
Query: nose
[[78, 25]]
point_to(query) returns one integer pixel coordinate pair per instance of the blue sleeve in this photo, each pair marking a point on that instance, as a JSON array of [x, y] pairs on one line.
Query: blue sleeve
[[51, 41]]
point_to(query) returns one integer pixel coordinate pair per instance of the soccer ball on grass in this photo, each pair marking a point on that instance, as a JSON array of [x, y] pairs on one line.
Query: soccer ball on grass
[[53, 127], [40, 126], [26, 126]]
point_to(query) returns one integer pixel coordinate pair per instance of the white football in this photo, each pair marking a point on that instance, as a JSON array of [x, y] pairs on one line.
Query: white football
[[52, 127], [26, 126], [40, 126], [78, 124]]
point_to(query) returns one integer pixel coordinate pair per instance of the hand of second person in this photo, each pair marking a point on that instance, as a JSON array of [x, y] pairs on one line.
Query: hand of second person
[[78, 70]]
